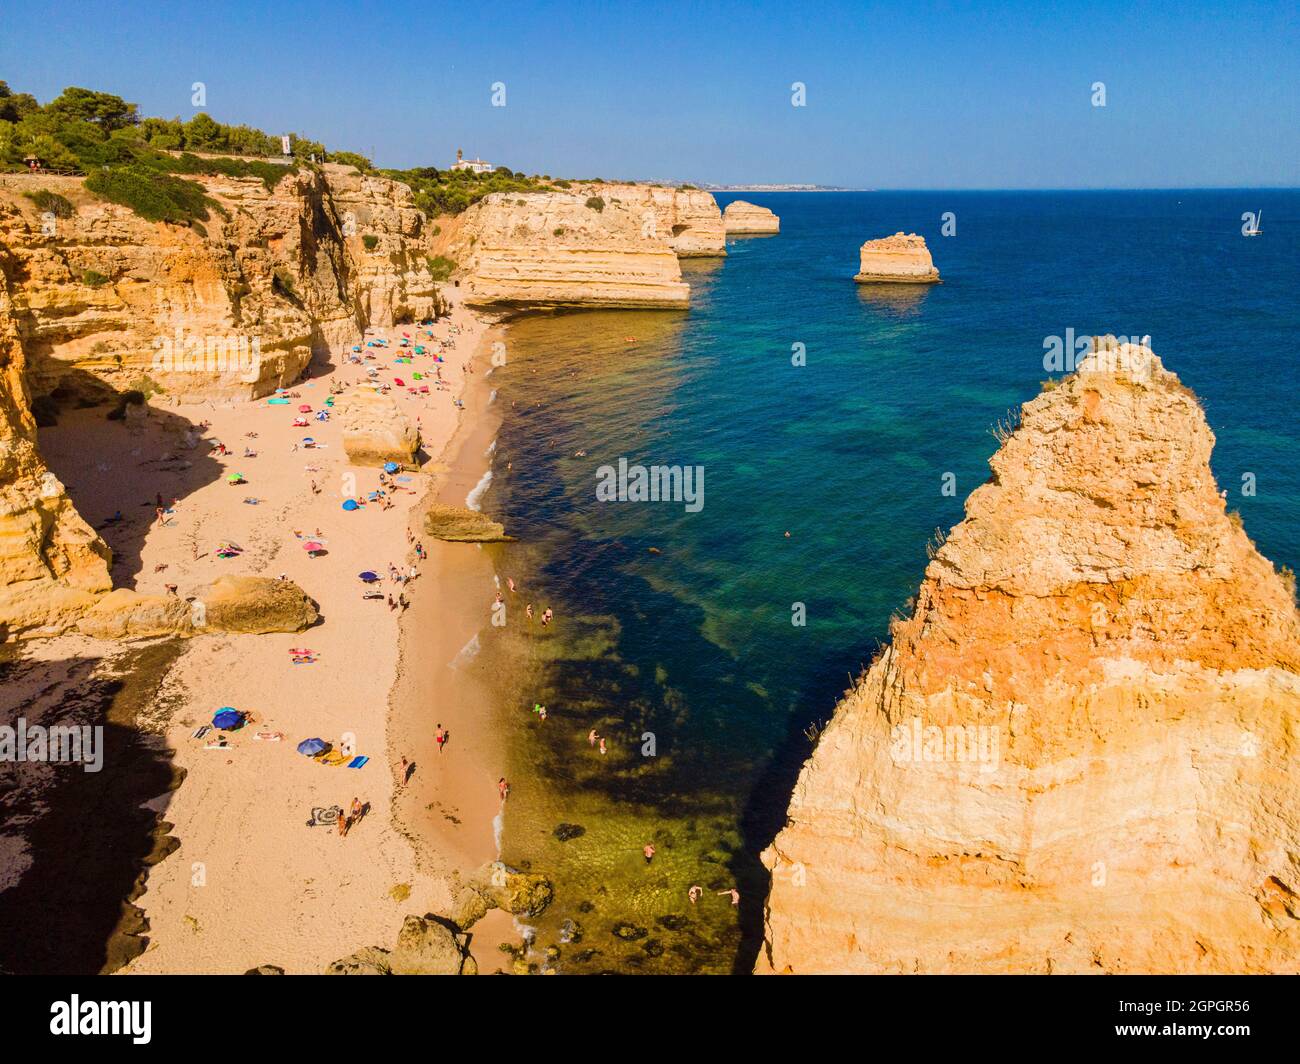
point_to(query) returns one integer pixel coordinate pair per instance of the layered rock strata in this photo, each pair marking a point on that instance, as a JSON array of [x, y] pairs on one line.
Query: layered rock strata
[[551, 249], [742, 218], [1078, 754], [898, 259]]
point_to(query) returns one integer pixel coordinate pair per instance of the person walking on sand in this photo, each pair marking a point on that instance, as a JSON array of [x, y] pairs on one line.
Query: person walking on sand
[[357, 810], [406, 772], [440, 737], [735, 895], [649, 851], [694, 893], [503, 788], [343, 825]]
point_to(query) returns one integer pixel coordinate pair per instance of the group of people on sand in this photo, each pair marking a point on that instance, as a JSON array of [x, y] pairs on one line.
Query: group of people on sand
[[349, 819]]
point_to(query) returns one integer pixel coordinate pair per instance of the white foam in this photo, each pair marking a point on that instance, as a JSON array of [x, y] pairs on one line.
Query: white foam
[[475, 496]]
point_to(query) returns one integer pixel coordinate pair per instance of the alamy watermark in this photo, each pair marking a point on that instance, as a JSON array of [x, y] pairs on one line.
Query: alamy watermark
[[192, 353], [59, 744], [1129, 355], [915, 743], [656, 483]]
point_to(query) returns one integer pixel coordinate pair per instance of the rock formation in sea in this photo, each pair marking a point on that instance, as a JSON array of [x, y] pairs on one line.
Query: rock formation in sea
[[1078, 753], [101, 305], [555, 249], [899, 259], [742, 218]]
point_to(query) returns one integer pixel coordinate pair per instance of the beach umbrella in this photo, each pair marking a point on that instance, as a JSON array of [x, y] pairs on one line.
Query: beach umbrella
[[349, 504], [391, 467], [235, 478], [313, 747], [329, 401], [311, 546], [227, 719], [305, 408], [368, 576]]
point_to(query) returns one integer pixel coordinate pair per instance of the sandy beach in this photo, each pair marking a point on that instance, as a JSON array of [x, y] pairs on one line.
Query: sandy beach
[[250, 882]]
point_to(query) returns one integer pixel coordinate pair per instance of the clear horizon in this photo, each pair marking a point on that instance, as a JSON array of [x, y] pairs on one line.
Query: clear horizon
[[896, 97]]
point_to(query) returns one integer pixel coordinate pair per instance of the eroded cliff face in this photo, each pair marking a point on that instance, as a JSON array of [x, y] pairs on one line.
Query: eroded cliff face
[[105, 301], [102, 303], [899, 259], [549, 249], [1079, 752], [687, 220], [52, 564]]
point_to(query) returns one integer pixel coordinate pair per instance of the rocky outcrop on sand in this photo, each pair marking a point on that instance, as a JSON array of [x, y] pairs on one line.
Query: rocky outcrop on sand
[[439, 945], [246, 604], [459, 524], [898, 259], [1078, 753], [741, 218], [553, 249], [375, 430], [687, 220]]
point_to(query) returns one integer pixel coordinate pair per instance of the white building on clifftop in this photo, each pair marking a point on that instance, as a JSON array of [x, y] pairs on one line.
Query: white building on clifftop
[[478, 166]]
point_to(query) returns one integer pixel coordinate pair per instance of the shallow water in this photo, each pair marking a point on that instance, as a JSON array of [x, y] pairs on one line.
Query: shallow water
[[693, 647]]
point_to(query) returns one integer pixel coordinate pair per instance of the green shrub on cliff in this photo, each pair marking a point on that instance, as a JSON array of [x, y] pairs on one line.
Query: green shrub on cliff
[[371, 241], [440, 268], [59, 206], [596, 203], [155, 197]]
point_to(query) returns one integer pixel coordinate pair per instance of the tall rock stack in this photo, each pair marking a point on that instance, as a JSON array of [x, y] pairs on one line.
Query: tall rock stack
[[899, 259], [1079, 752]]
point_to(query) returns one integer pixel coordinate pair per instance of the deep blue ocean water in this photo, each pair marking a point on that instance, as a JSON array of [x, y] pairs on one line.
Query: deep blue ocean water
[[678, 625]]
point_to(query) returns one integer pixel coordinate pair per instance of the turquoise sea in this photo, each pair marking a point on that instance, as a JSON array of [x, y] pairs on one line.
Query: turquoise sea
[[673, 636]]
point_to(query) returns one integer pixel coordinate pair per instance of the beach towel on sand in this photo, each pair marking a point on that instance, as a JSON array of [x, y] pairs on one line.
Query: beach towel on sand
[[358, 761]]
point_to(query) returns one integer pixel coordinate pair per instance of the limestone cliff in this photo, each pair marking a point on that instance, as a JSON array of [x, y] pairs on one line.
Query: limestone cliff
[[898, 259], [52, 564], [550, 249], [742, 218], [1079, 752], [688, 220]]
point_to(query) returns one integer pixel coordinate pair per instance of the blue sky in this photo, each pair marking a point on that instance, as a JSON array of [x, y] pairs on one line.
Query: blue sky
[[899, 95]]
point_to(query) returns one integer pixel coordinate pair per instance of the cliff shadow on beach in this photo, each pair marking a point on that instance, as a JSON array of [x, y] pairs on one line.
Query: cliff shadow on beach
[[81, 842]]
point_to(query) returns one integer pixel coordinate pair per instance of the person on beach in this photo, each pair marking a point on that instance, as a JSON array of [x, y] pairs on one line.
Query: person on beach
[[503, 788], [405, 773], [735, 895], [649, 851], [343, 825], [440, 737], [358, 810], [694, 893]]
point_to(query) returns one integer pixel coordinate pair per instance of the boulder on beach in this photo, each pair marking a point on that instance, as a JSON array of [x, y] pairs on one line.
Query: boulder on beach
[[257, 604], [368, 961], [375, 430], [249, 604], [428, 945], [459, 524], [899, 259]]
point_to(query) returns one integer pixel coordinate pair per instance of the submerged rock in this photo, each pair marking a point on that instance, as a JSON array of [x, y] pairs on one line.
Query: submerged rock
[[565, 832], [628, 932]]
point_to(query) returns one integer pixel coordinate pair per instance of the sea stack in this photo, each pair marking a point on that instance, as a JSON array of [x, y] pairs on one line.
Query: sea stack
[[1078, 752], [749, 219], [899, 259]]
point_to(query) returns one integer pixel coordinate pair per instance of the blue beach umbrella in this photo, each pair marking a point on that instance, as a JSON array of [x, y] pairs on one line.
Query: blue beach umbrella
[[227, 718], [391, 467], [349, 504], [312, 747], [368, 576]]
